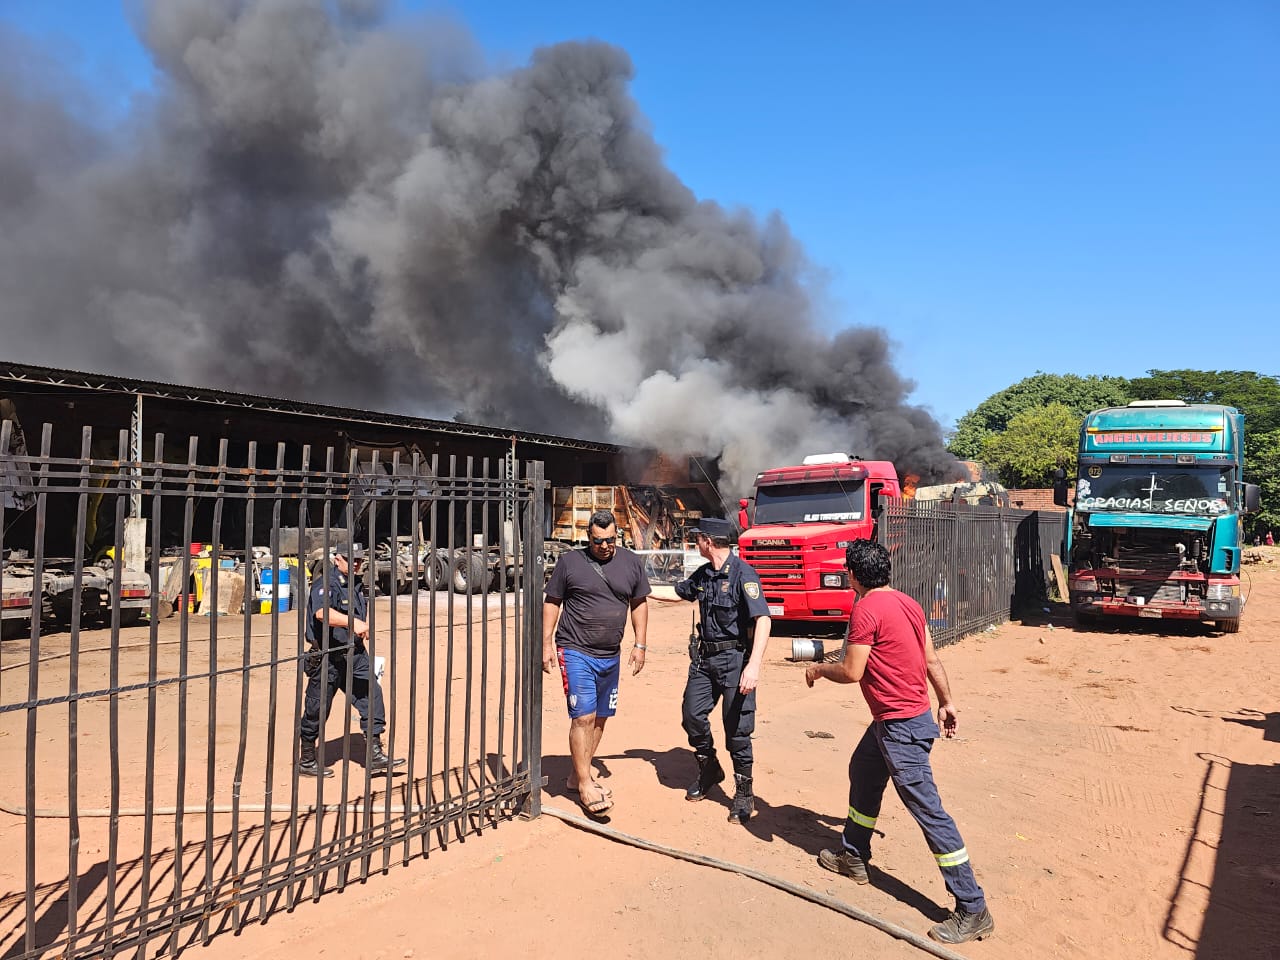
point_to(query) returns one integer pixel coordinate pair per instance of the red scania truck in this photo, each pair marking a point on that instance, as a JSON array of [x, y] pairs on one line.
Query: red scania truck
[[796, 528]]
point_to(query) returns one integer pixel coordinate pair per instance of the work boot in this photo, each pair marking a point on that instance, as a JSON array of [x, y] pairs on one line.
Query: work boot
[[846, 863], [308, 763], [744, 802], [709, 774], [378, 759], [961, 927]]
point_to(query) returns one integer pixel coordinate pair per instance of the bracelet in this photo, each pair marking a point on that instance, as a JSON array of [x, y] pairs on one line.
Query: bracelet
[[640, 646]]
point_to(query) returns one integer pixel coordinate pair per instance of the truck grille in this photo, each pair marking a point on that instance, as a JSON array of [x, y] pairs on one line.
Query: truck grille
[[780, 568]]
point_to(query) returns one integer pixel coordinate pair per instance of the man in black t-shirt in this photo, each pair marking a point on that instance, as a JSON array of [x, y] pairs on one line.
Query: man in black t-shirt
[[583, 619]]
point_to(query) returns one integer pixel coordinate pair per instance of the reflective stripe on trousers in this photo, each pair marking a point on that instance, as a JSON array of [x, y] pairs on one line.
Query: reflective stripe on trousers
[[899, 750]]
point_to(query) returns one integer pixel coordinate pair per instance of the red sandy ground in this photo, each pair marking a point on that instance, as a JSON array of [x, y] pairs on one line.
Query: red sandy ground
[[1119, 793]]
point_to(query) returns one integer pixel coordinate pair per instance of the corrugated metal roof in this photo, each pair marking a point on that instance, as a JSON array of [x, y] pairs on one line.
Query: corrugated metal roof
[[78, 380]]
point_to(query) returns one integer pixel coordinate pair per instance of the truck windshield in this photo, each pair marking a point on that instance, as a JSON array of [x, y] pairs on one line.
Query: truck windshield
[[1133, 488], [810, 502]]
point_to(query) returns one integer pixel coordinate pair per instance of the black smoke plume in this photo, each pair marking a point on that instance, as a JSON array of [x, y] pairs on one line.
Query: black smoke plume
[[313, 204]]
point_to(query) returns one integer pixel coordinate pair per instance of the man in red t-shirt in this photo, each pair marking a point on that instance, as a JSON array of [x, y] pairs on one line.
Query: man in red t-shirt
[[890, 653]]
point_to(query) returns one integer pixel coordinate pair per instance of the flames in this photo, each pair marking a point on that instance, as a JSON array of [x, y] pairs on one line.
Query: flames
[[909, 484]]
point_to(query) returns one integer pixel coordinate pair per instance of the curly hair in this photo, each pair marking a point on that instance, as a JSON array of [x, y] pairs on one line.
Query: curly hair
[[868, 563]]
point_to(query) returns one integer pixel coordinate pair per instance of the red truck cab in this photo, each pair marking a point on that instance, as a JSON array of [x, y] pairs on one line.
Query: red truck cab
[[796, 528]]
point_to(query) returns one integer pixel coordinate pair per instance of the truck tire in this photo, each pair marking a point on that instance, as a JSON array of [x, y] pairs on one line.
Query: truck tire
[[431, 572], [131, 618], [1229, 626], [469, 575], [1084, 621]]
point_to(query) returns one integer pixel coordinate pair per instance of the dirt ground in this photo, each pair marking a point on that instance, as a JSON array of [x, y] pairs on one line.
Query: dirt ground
[[1119, 793]]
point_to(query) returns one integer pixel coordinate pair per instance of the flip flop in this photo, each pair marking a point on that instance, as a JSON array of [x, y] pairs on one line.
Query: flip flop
[[596, 808], [573, 791]]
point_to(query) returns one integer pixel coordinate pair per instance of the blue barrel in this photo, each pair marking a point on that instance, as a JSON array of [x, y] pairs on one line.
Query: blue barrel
[[272, 595]]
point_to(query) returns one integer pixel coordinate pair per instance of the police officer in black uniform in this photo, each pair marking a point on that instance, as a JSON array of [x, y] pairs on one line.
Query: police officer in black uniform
[[725, 654], [342, 602]]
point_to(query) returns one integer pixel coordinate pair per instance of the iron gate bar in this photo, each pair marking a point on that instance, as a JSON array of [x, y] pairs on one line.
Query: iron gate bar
[[245, 872]]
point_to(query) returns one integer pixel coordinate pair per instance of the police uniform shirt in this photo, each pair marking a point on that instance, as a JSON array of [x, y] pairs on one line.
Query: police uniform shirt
[[337, 594], [728, 598]]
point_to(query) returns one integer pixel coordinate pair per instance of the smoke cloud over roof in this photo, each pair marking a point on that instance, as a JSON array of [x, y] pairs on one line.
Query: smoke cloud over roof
[[312, 204]]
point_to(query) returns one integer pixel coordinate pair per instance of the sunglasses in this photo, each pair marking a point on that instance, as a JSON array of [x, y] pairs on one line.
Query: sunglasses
[[601, 541]]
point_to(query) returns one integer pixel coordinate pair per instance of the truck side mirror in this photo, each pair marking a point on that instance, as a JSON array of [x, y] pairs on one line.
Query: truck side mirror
[[1252, 498], [1060, 487]]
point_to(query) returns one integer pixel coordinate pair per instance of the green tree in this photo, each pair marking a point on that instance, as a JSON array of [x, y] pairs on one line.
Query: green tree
[[1262, 466], [1034, 443], [993, 415], [1255, 394]]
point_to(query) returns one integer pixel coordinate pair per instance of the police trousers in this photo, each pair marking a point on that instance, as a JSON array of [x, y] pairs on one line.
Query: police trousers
[[715, 678], [899, 750], [365, 693]]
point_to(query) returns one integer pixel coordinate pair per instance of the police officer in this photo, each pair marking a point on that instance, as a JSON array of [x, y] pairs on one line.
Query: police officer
[[340, 600], [725, 656]]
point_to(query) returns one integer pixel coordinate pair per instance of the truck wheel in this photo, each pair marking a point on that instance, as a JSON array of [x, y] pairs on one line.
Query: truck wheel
[[131, 618], [470, 574], [1229, 626], [431, 572]]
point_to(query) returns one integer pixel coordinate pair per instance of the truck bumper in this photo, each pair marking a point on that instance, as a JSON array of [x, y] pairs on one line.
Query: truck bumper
[[1225, 609], [830, 606]]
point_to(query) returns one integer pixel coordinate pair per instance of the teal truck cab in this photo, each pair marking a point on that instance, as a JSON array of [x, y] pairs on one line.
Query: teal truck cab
[[795, 530], [1157, 524]]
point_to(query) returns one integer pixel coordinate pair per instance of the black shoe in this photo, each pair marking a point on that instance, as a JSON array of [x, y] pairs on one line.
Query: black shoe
[[379, 762], [709, 774], [846, 863], [961, 927], [308, 764], [744, 802]]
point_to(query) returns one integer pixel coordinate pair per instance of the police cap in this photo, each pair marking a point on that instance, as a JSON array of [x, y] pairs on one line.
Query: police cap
[[714, 527]]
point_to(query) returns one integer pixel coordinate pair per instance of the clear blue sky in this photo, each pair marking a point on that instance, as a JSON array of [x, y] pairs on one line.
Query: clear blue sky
[[1004, 187]]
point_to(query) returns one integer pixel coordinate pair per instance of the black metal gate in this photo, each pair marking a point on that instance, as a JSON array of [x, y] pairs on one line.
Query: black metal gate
[[969, 567], [149, 707]]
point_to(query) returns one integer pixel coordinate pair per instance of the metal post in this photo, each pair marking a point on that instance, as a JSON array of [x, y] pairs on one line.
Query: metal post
[[135, 454]]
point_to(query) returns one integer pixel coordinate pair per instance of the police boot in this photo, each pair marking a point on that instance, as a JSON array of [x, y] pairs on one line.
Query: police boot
[[378, 759], [308, 763], [709, 774], [744, 802]]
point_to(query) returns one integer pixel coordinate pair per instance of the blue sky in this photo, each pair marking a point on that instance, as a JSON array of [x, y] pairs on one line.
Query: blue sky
[[1004, 187]]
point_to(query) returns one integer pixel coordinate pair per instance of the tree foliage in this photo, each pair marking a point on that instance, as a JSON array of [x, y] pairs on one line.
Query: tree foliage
[[1034, 443], [1255, 394], [993, 415], [1262, 466]]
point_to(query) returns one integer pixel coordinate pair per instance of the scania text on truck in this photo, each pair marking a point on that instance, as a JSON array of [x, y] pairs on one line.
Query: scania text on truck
[[1158, 519], [796, 531]]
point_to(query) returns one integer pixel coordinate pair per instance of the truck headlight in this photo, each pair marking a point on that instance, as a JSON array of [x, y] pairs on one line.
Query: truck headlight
[[1222, 591], [836, 581]]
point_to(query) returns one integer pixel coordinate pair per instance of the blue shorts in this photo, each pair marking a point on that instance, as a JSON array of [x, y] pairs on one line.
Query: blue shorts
[[590, 683]]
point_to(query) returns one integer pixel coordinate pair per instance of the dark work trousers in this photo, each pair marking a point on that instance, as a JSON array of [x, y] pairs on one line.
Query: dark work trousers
[[365, 694], [715, 678], [899, 749]]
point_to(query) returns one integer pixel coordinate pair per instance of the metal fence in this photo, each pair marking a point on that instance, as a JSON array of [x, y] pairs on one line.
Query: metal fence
[[161, 801], [969, 567]]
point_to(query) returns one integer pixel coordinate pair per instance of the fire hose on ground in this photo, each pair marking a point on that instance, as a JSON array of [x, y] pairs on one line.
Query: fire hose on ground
[[822, 900]]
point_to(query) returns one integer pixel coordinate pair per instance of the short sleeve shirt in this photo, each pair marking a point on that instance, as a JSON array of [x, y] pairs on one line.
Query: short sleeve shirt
[[728, 599], [893, 626], [594, 608], [340, 594]]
